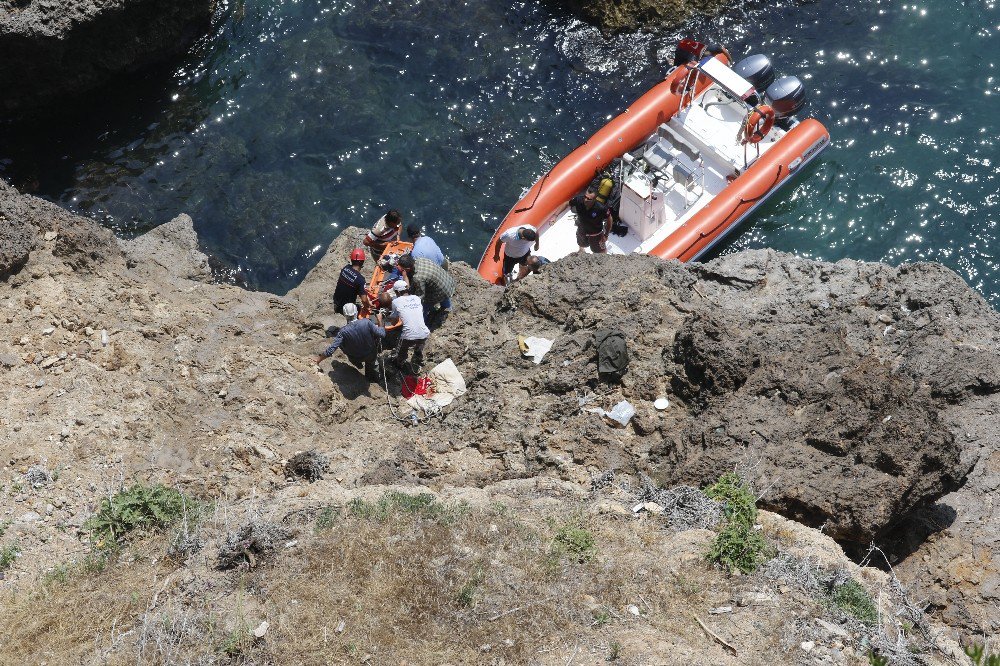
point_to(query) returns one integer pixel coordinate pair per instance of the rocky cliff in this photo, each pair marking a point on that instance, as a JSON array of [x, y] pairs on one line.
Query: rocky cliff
[[859, 399], [613, 16], [51, 49]]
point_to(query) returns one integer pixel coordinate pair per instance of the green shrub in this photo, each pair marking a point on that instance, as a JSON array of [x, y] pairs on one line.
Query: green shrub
[[574, 541], [738, 546], [326, 518], [467, 594], [140, 507], [977, 651], [7, 556], [854, 600], [394, 503], [238, 641], [58, 575]]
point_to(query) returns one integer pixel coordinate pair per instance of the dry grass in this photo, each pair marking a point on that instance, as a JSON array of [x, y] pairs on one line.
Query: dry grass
[[77, 614], [470, 587], [401, 581]]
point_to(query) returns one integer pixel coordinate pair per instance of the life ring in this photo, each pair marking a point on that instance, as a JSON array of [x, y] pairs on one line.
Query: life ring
[[757, 124], [683, 81]]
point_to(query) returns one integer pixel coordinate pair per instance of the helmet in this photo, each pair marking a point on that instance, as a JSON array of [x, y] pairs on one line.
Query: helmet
[[357, 254], [400, 286], [350, 310]]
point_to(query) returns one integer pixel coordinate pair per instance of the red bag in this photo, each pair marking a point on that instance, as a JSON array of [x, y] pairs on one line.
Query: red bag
[[416, 386]]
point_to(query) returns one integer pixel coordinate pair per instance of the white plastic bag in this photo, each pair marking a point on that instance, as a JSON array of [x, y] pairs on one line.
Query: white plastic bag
[[622, 412]]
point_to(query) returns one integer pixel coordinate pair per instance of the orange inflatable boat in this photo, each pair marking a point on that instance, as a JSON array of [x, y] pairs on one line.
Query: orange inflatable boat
[[681, 168]]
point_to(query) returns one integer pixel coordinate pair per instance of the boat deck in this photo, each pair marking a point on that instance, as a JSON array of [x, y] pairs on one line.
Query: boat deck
[[710, 127]]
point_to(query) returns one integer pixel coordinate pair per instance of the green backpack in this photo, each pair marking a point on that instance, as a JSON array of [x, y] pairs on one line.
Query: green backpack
[[612, 354]]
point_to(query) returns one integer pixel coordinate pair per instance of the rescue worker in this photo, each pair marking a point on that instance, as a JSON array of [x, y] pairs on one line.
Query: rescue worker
[[351, 284], [407, 307], [593, 222], [428, 281], [424, 247], [517, 243], [533, 264], [383, 232], [359, 340]]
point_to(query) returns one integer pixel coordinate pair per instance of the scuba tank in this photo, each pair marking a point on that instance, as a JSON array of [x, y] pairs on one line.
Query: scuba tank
[[608, 194], [604, 189], [604, 186]]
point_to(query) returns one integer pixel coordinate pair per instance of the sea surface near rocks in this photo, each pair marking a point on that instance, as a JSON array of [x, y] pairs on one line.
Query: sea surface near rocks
[[293, 120]]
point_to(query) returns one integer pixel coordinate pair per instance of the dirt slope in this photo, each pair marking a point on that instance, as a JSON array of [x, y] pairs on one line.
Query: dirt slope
[[121, 361]]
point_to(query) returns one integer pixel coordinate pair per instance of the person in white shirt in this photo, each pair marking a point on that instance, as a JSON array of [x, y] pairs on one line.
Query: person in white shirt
[[406, 307], [517, 242]]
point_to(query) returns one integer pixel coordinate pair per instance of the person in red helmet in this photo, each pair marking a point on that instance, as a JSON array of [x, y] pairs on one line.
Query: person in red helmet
[[351, 283]]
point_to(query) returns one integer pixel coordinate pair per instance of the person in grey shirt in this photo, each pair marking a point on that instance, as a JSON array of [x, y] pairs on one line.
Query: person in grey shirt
[[359, 340]]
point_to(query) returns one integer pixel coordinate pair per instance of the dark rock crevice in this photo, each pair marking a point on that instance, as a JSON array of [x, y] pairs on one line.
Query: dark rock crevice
[[52, 50]]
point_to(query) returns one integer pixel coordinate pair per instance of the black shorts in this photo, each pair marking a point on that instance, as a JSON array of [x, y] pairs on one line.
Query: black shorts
[[596, 242], [338, 306], [510, 262]]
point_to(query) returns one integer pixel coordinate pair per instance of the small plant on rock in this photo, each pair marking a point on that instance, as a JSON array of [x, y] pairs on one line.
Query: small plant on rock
[[977, 653], [139, 507], [576, 542], [7, 556], [854, 600], [738, 546]]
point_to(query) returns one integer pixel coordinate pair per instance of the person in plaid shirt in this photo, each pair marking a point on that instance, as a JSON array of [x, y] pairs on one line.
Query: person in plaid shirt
[[429, 281]]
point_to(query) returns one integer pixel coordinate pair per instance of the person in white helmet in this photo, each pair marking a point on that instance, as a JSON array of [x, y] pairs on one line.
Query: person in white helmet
[[406, 307], [358, 339]]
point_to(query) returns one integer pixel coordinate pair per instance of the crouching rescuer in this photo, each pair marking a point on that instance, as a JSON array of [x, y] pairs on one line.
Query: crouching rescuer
[[360, 340]]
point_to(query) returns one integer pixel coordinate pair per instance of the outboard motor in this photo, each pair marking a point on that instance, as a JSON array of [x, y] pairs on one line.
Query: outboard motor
[[757, 69], [786, 96]]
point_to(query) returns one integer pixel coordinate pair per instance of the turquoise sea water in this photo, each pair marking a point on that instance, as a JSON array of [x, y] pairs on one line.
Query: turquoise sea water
[[294, 119]]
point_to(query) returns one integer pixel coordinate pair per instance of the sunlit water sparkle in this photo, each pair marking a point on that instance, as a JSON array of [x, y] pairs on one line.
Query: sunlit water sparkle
[[293, 120]]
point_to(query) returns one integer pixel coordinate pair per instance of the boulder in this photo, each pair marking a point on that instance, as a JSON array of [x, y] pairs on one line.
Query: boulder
[[841, 385], [78, 241], [17, 239], [173, 247]]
